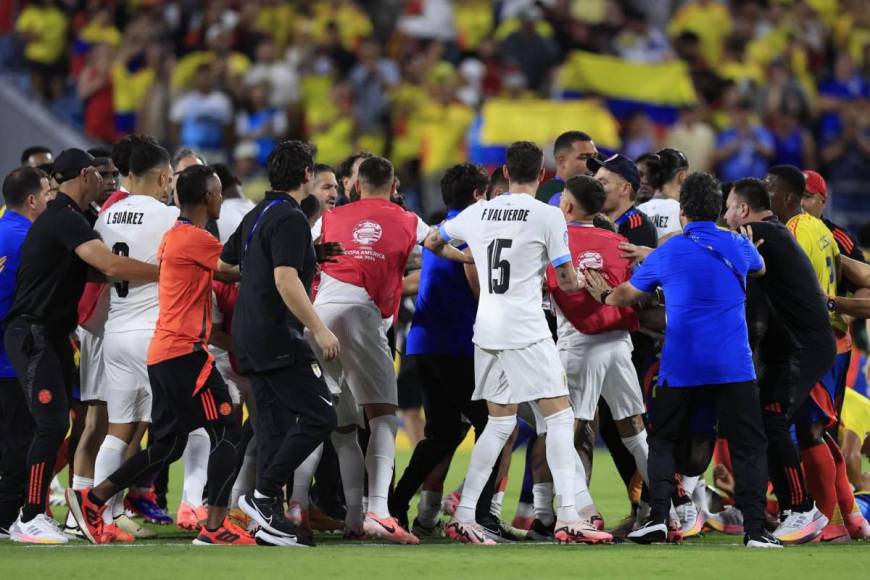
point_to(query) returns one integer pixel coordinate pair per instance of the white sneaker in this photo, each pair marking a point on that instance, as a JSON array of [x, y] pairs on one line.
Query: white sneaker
[[4, 534], [800, 527], [134, 528], [691, 519], [699, 497], [728, 521], [40, 530]]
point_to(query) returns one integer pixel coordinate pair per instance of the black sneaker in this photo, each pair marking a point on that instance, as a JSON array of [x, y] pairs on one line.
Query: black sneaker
[[624, 527], [650, 533], [538, 532], [269, 514], [423, 531], [496, 531], [762, 539], [401, 517]]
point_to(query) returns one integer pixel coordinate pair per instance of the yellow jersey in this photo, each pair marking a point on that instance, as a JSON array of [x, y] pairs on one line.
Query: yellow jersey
[[818, 242], [855, 415]]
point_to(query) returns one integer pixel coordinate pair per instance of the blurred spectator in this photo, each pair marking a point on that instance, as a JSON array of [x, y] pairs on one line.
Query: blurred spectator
[[260, 122], [95, 90], [709, 19], [639, 42], [230, 65], [746, 148], [782, 92], [845, 86], [42, 26], [282, 78], [153, 117], [371, 80], [639, 136], [202, 117], [352, 22], [793, 144], [531, 51], [473, 20], [694, 136], [133, 74], [246, 169], [428, 20]]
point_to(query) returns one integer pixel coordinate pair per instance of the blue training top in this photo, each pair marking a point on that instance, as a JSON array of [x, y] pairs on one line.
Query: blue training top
[[13, 230]]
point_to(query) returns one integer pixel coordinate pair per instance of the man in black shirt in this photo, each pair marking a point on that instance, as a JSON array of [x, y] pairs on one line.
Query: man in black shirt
[[273, 248], [796, 350], [54, 264]]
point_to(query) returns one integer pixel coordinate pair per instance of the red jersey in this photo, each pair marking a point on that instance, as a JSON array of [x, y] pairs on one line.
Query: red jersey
[[594, 249], [227, 294], [377, 236]]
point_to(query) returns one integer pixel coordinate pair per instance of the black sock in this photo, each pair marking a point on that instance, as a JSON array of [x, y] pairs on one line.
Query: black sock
[[95, 500]]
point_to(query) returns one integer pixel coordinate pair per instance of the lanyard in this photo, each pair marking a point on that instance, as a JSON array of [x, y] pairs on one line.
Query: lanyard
[[716, 253], [184, 220], [254, 229]]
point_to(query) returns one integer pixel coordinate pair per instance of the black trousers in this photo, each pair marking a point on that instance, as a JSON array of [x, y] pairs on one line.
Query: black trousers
[[739, 416], [43, 360], [16, 434], [447, 383], [295, 414]]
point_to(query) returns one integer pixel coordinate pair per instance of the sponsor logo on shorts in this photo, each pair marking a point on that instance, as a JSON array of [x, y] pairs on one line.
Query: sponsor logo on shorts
[[44, 396], [315, 368], [225, 409], [367, 232]]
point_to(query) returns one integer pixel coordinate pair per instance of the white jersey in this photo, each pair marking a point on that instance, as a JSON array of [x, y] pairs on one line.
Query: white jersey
[[233, 210], [664, 214], [134, 227], [512, 239]]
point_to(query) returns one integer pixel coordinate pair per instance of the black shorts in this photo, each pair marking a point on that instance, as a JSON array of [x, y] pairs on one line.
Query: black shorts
[[187, 393]]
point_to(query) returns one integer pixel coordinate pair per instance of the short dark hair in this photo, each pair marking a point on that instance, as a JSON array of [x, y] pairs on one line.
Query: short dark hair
[[345, 168], [753, 192], [601, 221], [567, 139], [147, 156], [791, 176], [226, 175], [192, 184], [34, 150], [287, 163], [21, 182], [323, 168], [376, 172], [524, 161], [122, 150], [496, 178], [661, 167], [99, 152], [459, 184], [701, 197], [588, 193]]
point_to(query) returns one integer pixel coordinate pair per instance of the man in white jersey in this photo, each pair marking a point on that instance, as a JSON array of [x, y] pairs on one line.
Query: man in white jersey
[[134, 227], [666, 171], [235, 205], [512, 239]]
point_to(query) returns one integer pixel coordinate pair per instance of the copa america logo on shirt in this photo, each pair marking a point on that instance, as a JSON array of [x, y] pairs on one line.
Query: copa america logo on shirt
[[590, 261], [367, 232]]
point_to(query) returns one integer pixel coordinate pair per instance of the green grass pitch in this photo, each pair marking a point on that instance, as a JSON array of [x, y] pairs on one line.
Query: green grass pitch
[[712, 557]]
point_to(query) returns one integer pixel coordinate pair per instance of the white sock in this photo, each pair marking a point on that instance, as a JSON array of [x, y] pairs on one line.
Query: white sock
[[496, 505], [486, 450], [351, 465], [380, 457], [195, 466], [81, 482], [542, 494], [303, 475], [109, 458], [690, 483], [429, 507], [560, 459], [637, 446], [582, 497], [244, 483]]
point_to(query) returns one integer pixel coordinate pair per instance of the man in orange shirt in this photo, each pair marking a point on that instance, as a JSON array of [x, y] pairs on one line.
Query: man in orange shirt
[[188, 392]]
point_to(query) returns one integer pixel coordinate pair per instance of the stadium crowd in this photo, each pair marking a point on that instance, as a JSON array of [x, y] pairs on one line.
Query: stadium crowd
[[241, 300]]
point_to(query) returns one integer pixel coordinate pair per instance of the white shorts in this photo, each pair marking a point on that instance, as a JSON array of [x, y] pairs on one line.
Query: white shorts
[[128, 390], [92, 380], [364, 364], [601, 368], [518, 375], [347, 411]]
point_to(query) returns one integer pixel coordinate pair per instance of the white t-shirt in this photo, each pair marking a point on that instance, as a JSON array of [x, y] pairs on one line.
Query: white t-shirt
[[664, 214], [134, 227], [512, 239], [233, 210]]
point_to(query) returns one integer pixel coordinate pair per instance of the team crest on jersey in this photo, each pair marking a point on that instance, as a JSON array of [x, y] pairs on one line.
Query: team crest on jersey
[[44, 396], [315, 368], [225, 409], [367, 233], [590, 261]]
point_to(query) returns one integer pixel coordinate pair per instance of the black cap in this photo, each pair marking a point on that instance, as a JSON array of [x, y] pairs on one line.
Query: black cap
[[619, 164], [70, 162]]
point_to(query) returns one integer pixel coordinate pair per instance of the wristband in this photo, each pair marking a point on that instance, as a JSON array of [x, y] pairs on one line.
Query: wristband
[[832, 304]]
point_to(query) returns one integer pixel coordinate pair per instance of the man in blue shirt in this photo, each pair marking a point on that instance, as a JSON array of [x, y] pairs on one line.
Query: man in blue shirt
[[26, 191], [706, 359], [439, 344]]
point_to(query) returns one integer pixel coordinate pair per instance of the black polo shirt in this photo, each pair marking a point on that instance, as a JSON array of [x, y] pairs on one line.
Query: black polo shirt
[[638, 228], [850, 248], [266, 335], [51, 277], [798, 315]]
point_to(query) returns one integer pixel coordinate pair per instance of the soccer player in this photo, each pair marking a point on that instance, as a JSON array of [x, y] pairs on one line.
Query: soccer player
[[187, 390], [347, 174], [358, 296], [594, 342], [133, 227], [666, 172], [512, 239], [498, 183], [295, 414], [26, 192], [795, 352], [38, 156], [55, 256], [814, 201], [571, 150], [706, 357], [235, 205], [823, 461]]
